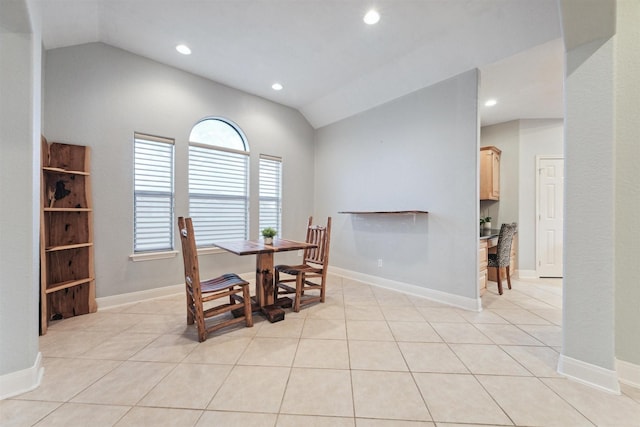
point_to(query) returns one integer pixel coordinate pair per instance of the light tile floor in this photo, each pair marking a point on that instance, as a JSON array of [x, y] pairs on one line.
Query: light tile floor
[[368, 357]]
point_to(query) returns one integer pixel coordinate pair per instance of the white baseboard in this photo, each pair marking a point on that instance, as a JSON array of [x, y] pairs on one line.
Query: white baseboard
[[406, 288], [133, 297], [527, 274], [628, 373], [588, 374], [409, 289], [22, 381]]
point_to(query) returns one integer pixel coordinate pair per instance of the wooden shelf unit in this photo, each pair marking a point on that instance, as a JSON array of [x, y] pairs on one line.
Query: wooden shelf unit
[[67, 209], [65, 247], [383, 212], [67, 277], [59, 170]]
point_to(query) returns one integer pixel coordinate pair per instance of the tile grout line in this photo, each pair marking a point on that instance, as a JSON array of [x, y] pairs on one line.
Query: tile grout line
[[128, 329]]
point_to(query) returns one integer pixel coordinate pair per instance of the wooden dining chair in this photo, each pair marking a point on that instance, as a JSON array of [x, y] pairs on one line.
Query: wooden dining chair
[[501, 259], [200, 292], [313, 270]]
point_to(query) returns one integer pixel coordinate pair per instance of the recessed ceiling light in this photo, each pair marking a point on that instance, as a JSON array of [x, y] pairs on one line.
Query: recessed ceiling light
[[372, 17], [183, 49], [490, 102], [276, 86]]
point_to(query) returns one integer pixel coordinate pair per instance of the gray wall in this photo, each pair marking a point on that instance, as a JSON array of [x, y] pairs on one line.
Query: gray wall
[[627, 127], [417, 152], [20, 51], [588, 316], [98, 95]]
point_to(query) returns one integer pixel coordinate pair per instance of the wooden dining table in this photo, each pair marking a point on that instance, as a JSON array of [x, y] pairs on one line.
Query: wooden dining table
[[264, 298]]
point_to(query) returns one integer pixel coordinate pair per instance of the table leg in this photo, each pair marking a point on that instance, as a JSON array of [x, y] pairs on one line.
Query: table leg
[[264, 289], [264, 278]]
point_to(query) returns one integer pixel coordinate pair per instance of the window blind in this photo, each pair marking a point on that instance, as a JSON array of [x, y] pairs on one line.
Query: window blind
[[153, 193], [218, 194], [270, 192]]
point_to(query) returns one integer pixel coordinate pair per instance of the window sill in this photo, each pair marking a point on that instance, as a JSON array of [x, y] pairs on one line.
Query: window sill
[[210, 250], [149, 256]]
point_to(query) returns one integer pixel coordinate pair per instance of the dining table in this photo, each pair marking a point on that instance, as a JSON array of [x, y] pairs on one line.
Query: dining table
[[264, 300]]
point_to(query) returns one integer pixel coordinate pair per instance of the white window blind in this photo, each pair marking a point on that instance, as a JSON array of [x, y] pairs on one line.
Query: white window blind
[[218, 182], [270, 192], [153, 193]]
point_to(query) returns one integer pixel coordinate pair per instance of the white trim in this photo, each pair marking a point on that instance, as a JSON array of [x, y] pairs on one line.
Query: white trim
[[219, 147], [473, 304], [588, 374], [210, 250], [22, 381], [154, 138], [628, 373], [133, 297], [149, 256]]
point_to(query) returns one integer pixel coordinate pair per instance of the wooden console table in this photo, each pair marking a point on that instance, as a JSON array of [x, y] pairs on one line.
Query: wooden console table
[[384, 212]]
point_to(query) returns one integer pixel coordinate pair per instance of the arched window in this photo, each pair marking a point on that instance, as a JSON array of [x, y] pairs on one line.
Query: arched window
[[218, 181], [220, 133]]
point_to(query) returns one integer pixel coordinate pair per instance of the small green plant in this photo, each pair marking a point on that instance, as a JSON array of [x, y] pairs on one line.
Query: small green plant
[[485, 219], [269, 232]]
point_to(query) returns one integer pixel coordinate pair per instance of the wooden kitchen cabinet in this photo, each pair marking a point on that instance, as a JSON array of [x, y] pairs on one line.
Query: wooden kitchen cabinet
[[483, 251], [490, 173]]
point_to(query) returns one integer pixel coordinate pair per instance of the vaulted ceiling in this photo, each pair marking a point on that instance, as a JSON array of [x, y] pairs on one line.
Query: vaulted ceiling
[[332, 65]]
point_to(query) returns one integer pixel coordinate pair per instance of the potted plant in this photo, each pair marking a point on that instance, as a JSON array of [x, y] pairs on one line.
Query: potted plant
[[268, 234], [485, 222]]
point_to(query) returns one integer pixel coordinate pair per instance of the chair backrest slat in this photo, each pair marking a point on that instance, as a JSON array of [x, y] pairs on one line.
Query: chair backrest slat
[[320, 236]]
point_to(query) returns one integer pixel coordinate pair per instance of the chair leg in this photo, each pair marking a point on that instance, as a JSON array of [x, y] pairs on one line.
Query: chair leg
[[200, 324], [322, 289], [299, 284], [508, 276], [276, 280], [499, 280], [248, 316], [189, 312]]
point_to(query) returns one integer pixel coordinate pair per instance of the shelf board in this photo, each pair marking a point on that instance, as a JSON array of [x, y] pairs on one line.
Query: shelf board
[[64, 285], [67, 209], [383, 212], [60, 170], [65, 247]]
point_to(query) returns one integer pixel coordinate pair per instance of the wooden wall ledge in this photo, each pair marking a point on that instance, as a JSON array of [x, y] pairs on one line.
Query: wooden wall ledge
[[383, 212]]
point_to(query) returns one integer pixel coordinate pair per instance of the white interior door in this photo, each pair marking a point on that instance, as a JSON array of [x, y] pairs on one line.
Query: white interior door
[[550, 216]]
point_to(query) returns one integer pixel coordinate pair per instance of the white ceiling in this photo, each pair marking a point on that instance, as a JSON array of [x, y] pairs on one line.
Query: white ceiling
[[331, 64]]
